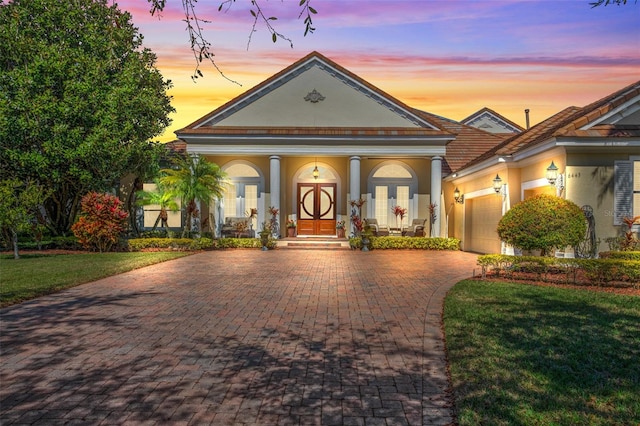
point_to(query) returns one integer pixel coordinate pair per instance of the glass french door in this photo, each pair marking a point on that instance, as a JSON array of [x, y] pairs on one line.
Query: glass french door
[[316, 209]]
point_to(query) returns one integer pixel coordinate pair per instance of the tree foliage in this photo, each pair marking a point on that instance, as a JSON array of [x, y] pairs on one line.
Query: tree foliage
[[19, 202], [164, 199], [194, 180], [200, 44], [543, 222], [597, 3], [80, 99]]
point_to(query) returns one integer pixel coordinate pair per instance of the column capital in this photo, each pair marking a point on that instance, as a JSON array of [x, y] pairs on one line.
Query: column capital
[[275, 157], [354, 157], [436, 158]]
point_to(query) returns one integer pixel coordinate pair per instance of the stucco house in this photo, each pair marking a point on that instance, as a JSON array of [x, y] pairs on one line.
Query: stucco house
[[314, 136], [592, 156]]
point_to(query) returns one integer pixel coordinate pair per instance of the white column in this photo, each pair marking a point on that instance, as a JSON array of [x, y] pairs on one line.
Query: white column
[[436, 190], [274, 162], [354, 177], [354, 183]]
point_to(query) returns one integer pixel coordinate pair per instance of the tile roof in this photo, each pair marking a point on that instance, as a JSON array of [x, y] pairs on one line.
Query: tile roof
[[176, 145], [470, 142], [569, 122], [492, 112], [538, 133]]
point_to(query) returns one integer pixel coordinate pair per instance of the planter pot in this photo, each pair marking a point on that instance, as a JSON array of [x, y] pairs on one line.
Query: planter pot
[[291, 232], [365, 243], [341, 232], [264, 240]]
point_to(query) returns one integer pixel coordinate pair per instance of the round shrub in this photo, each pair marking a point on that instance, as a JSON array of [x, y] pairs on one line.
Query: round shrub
[[543, 222], [101, 221]]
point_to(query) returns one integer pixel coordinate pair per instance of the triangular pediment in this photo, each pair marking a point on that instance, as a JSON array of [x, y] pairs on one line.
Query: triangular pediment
[[314, 93], [492, 122]]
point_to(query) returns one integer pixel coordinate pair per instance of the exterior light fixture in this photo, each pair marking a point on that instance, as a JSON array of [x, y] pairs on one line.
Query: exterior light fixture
[[316, 172], [457, 196], [497, 184], [552, 174]]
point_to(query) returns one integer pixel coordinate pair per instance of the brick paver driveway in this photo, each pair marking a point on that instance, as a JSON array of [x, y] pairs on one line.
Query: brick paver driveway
[[238, 337]]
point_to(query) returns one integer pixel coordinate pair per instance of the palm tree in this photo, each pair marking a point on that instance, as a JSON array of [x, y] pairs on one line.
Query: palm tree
[[194, 179], [164, 198]]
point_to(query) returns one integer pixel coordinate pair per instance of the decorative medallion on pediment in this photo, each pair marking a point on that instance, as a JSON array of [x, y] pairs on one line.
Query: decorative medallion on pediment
[[314, 96]]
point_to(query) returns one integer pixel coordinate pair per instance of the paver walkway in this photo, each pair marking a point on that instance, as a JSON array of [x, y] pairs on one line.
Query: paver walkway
[[238, 337]]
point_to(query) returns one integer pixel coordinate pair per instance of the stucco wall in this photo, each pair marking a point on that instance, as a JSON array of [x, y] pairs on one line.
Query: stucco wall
[[343, 106]]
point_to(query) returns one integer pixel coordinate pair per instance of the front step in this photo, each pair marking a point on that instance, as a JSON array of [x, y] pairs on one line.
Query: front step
[[314, 243]]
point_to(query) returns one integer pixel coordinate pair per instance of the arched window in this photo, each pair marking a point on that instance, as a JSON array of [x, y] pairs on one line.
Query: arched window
[[245, 185], [392, 183]]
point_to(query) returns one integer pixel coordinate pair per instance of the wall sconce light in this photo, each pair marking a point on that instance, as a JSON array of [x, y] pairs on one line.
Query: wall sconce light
[[497, 184], [555, 179], [552, 173], [316, 172], [457, 196]]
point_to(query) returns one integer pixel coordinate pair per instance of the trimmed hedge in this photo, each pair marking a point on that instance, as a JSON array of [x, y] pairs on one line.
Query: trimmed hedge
[[627, 255], [596, 271], [137, 244], [226, 243], [408, 243], [60, 243]]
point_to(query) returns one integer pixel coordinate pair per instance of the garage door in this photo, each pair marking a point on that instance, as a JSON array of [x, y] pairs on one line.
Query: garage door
[[483, 215]]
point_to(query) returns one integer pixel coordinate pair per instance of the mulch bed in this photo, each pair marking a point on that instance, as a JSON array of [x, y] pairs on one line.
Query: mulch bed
[[558, 280]]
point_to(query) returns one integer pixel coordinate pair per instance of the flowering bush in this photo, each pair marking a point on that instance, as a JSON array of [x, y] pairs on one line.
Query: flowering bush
[[340, 224], [101, 221], [358, 224], [291, 223]]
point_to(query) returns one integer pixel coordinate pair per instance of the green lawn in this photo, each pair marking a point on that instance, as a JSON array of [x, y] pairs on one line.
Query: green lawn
[[34, 274], [528, 355]]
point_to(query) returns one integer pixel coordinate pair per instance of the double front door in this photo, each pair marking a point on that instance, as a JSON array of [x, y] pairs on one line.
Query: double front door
[[316, 209]]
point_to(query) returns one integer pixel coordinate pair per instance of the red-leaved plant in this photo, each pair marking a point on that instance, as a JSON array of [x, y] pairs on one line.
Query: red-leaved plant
[[399, 211], [102, 220]]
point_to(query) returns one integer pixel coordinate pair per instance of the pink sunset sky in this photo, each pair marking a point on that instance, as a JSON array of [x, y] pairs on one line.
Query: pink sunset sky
[[449, 58]]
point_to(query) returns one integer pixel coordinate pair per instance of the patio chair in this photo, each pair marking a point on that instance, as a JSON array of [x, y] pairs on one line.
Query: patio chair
[[416, 229], [377, 229]]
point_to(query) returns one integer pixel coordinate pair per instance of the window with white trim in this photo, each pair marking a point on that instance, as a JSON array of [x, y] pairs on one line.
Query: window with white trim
[[382, 204], [245, 183], [636, 188], [392, 183], [626, 191], [230, 200]]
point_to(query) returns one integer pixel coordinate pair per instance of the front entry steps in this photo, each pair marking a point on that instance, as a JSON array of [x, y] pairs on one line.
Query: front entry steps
[[314, 243]]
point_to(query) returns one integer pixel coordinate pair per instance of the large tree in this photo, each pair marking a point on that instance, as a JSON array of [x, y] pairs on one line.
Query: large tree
[[80, 98], [19, 202]]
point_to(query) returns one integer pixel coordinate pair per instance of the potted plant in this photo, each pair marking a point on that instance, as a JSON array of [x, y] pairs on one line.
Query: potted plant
[[340, 228], [291, 228], [265, 234], [399, 211], [366, 234]]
